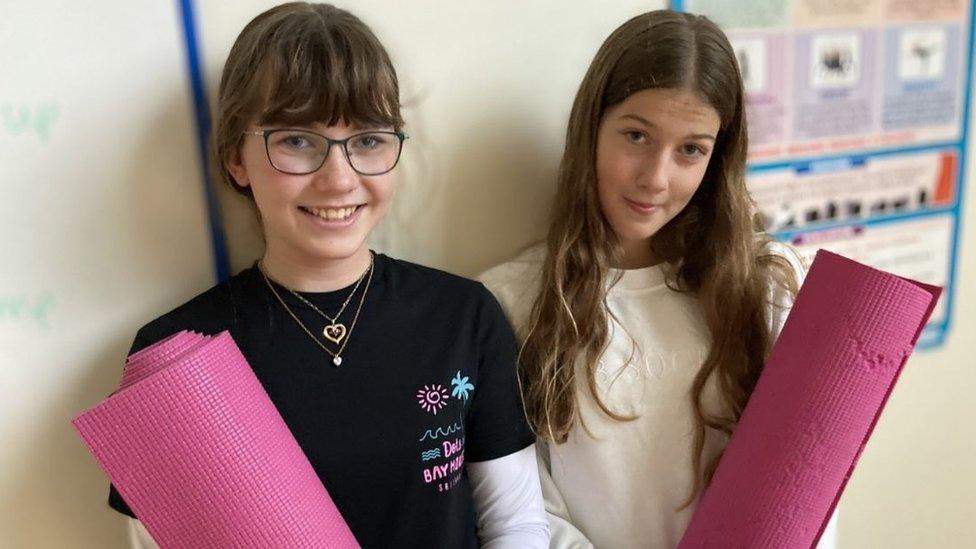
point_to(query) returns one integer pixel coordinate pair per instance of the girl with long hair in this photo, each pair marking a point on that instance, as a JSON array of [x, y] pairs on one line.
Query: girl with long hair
[[397, 381], [646, 316]]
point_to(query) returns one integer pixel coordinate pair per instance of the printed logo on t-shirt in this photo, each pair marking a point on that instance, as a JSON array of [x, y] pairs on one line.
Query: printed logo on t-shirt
[[442, 454], [432, 398], [631, 384], [652, 365]]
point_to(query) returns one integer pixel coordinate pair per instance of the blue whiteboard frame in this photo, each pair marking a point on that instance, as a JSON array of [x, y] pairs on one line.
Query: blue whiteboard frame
[[201, 111]]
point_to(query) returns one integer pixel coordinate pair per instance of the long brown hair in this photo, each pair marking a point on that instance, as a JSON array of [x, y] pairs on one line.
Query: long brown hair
[[714, 244], [299, 63]]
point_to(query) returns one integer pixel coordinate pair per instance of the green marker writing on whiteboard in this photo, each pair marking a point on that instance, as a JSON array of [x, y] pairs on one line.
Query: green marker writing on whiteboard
[[24, 119]]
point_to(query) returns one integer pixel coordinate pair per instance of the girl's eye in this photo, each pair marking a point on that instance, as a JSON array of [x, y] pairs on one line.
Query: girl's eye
[[692, 151], [635, 137], [295, 142], [369, 142], [366, 142]]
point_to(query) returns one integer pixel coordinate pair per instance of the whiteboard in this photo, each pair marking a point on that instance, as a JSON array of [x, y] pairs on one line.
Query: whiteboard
[[103, 227]]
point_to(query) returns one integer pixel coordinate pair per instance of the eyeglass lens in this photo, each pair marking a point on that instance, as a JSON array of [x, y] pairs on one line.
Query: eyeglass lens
[[298, 152]]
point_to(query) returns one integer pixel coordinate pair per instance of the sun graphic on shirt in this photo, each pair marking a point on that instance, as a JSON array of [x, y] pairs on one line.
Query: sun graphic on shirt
[[432, 398]]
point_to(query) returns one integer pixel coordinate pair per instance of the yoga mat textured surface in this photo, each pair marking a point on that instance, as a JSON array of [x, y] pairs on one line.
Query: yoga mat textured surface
[[199, 452], [824, 385]]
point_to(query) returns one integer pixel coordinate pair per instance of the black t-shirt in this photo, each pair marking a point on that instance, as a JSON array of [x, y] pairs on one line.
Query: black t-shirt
[[427, 383]]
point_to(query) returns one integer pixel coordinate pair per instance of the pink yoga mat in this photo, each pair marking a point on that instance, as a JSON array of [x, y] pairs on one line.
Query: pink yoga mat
[[201, 455], [824, 385]]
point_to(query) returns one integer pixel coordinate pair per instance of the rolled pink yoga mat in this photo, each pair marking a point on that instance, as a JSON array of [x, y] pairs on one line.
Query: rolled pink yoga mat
[[203, 458], [823, 387]]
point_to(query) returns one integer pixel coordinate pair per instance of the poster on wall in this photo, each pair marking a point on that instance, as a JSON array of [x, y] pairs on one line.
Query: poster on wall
[[857, 127]]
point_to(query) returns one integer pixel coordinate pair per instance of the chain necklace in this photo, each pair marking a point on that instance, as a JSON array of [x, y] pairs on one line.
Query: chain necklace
[[336, 356], [334, 331]]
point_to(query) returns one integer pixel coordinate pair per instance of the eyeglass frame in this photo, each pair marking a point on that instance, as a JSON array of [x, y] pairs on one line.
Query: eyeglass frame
[[345, 150]]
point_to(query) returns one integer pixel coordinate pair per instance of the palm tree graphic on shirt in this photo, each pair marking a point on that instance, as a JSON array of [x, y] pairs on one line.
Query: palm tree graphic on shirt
[[461, 386]]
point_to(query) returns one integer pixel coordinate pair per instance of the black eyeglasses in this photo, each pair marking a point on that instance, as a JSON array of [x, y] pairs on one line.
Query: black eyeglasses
[[301, 152]]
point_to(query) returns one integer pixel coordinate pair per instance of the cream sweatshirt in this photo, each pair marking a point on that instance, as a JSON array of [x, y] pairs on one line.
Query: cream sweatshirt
[[619, 485]]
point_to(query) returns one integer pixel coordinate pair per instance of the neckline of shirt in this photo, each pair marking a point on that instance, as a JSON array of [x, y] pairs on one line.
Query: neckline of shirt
[[325, 300], [645, 278]]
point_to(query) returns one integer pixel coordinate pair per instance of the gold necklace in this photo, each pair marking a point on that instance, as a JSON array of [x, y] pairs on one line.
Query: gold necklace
[[336, 356], [334, 331]]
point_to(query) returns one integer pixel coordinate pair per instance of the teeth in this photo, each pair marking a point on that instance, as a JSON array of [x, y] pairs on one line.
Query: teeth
[[332, 214]]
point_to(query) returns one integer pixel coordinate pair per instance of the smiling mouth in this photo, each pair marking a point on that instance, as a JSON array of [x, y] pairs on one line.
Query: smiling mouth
[[332, 214], [642, 206]]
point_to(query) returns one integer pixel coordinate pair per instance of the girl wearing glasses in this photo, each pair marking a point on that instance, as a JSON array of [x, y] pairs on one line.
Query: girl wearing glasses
[[398, 381], [648, 313]]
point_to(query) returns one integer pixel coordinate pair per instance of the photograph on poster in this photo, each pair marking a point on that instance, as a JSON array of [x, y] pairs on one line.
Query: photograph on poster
[[818, 193], [922, 54], [751, 54], [835, 61], [923, 67]]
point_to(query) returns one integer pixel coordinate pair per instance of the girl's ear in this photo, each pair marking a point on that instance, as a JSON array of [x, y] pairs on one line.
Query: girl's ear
[[235, 166]]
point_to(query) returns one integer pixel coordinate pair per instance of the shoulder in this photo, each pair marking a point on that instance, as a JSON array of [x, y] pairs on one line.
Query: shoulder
[[411, 281], [209, 312], [515, 283], [781, 296], [797, 262], [463, 305], [527, 263]]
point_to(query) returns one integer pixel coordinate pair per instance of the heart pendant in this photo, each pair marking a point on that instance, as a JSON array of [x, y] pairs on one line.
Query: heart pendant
[[334, 333], [337, 361]]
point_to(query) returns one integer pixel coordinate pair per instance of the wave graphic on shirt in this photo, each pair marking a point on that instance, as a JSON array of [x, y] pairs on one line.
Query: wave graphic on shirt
[[441, 432]]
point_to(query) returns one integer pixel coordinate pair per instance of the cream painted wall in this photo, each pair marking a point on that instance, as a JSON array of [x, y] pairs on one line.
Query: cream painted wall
[[487, 88]]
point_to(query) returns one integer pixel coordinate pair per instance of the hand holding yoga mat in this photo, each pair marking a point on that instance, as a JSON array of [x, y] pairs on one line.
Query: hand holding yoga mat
[[824, 385], [201, 455]]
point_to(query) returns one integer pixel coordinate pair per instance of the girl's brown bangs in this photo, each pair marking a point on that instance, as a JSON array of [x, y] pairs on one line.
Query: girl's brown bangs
[[315, 84]]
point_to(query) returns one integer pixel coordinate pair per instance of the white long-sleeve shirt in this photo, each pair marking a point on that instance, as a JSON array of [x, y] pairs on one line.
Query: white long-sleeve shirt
[[507, 500], [619, 486]]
